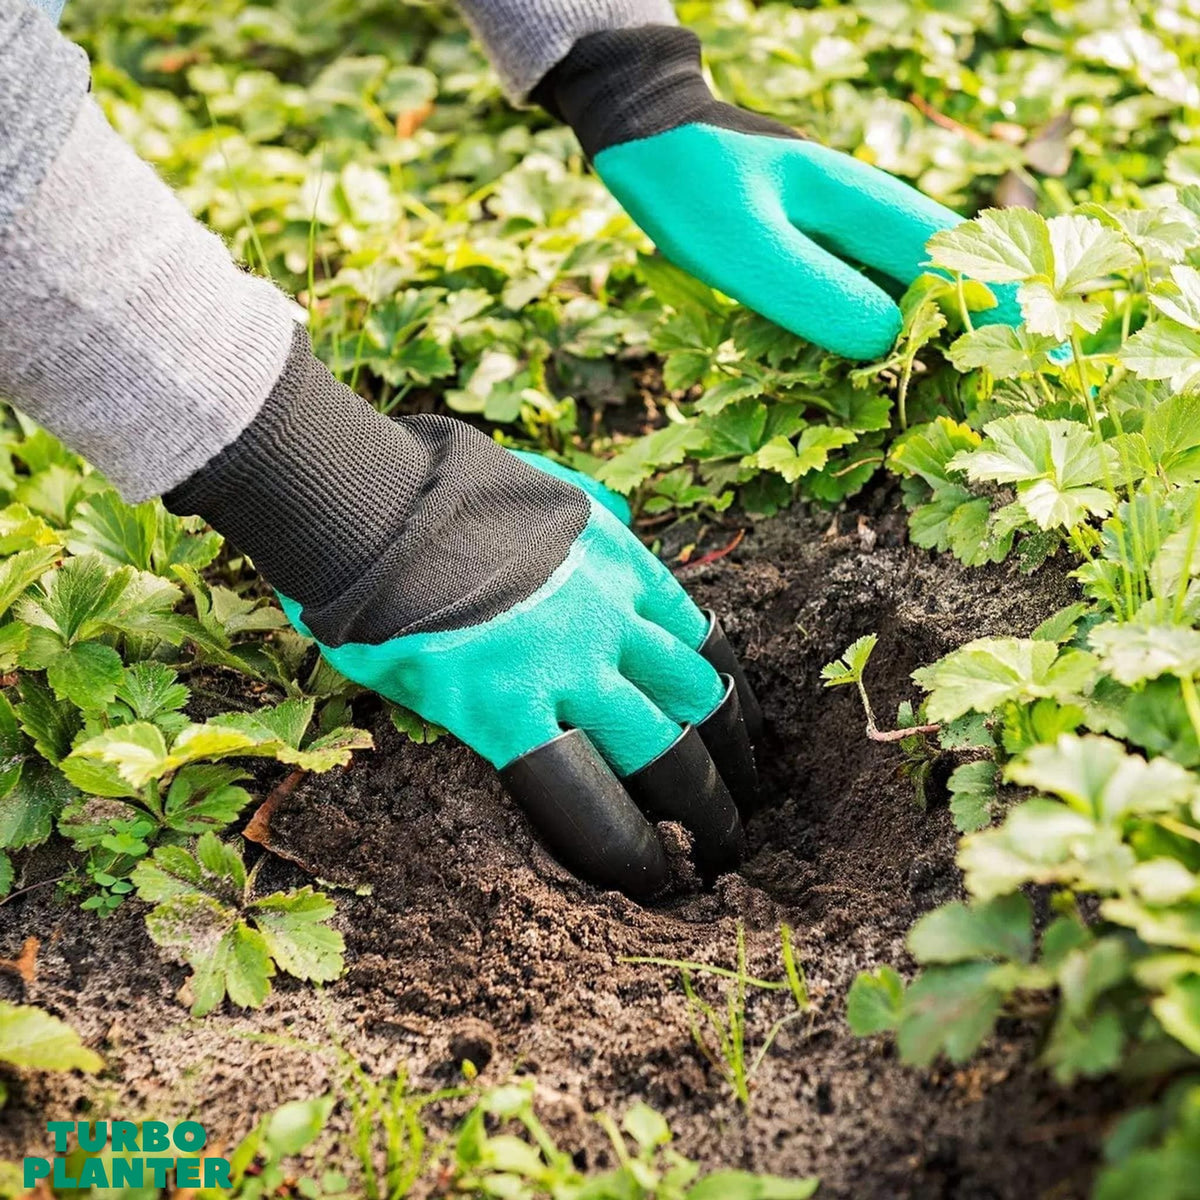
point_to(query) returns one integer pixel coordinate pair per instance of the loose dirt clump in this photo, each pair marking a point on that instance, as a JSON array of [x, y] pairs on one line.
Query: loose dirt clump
[[472, 943]]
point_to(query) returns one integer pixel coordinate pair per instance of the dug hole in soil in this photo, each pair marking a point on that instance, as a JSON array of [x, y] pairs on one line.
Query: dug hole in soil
[[473, 944]]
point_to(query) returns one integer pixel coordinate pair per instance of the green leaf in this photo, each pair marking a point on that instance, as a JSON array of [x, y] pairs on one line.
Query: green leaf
[[1101, 779], [285, 723], [989, 672], [1165, 350], [6, 879], [926, 450], [950, 1010], [810, 453], [1178, 1010], [78, 600], [1056, 317], [1041, 841], [13, 747], [151, 689], [120, 534], [647, 1127], [14, 637], [850, 667], [279, 731], [51, 724], [972, 788], [1060, 626], [1172, 433], [1006, 352], [414, 727], [970, 732], [171, 872], [1053, 463], [203, 796], [1133, 653], [1180, 299], [34, 1039], [666, 447], [19, 570], [1085, 1048], [222, 861], [28, 811], [1162, 880], [676, 289], [225, 954], [1000, 246], [237, 965], [293, 926], [1000, 928], [137, 751], [1086, 253], [296, 1125], [87, 674], [874, 1002]]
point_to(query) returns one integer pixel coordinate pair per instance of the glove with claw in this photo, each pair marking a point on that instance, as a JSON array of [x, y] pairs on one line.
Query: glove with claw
[[503, 597]]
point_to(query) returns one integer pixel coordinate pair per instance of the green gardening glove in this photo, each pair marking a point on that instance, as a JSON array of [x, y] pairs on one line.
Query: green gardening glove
[[504, 597], [740, 201]]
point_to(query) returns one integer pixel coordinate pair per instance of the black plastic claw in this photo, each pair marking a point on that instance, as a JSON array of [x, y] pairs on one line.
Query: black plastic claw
[[720, 654], [682, 784], [586, 817], [727, 740]]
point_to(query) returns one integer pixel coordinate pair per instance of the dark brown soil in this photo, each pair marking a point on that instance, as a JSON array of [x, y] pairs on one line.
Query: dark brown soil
[[472, 943]]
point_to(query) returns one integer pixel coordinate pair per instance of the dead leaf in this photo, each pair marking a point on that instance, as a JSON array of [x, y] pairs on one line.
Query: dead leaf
[[25, 964], [407, 123], [258, 828]]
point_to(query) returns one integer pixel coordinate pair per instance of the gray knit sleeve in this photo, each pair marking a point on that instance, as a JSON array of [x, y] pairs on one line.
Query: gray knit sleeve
[[125, 326], [525, 38]]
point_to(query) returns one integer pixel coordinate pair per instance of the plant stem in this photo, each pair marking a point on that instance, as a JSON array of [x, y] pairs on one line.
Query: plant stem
[[1185, 575], [33, 887], [1191, 702], [902, 393], [964, 312]]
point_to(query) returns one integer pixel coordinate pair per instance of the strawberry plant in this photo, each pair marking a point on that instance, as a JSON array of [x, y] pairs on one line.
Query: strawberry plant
[[105, 624], [1082, 427], [206, 912]]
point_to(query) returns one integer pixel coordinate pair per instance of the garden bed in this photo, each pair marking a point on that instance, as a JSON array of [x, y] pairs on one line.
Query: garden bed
[[472, 944]]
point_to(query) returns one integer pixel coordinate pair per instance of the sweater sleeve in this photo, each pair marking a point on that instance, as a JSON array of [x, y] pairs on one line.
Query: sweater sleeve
[[125, 326], [525, 38]]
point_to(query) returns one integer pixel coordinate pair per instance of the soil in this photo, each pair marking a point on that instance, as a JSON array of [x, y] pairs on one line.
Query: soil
[[472, 943]]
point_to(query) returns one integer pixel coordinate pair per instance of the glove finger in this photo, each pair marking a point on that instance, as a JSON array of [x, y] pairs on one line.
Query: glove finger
[[678, 681], [676, 781], [683, 784], [867, 215], [616, 504], [660, 599], [788, 278], [681, 683], [718, 651], [621, 721], [585, 816]]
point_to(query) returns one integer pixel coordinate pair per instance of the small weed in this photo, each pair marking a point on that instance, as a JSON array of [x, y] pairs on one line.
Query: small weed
[[722, 1038]]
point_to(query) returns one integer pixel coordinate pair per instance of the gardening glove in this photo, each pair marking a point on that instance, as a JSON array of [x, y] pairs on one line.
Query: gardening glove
[[504, 602], [742, 202]]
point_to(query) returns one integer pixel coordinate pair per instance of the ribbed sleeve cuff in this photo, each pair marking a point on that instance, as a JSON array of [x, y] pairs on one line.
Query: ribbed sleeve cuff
[[43, 80], [378, 527], [525, 38], [125, 326]]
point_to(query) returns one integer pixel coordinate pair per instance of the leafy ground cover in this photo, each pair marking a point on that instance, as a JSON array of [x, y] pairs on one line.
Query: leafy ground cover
[[448, 252]]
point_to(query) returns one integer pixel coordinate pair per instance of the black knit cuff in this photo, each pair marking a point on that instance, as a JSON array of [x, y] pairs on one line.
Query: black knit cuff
[[377, 527], [626, 84]]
